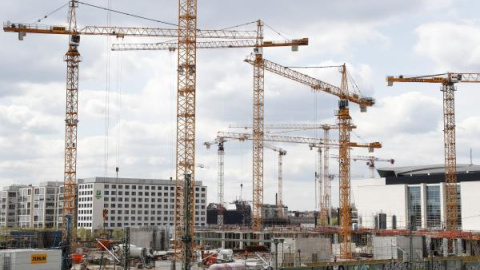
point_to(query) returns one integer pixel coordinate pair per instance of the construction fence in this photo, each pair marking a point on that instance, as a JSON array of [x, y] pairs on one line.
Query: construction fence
[[451, 263]]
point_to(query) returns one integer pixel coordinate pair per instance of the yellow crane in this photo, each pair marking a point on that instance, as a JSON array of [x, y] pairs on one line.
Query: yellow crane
[[448, 81], [184, 32], [345, 126]]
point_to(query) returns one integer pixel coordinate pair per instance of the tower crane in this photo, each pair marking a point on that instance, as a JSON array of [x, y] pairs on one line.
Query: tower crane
[[187, 33], [220, 188], [323, 176], [258, 102], [448, 81], [370, 161], [311, 142], [281, 152], [345, 126]]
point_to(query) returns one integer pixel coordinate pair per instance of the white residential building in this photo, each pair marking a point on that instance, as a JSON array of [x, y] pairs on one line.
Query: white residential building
[[132, 202], [37, 206], [416, 193], [9, 205]]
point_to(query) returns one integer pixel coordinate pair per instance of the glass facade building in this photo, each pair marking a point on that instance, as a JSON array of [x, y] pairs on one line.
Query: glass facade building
[[415, 206]]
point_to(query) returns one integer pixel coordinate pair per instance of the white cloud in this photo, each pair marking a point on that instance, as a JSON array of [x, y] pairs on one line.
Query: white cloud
[[451, 46]]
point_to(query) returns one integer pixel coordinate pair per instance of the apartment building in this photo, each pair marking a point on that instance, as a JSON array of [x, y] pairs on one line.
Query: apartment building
[[9, 205], [38, 205], [132, 202]]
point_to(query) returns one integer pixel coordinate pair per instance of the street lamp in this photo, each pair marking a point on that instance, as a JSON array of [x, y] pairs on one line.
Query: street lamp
[[276, 241]]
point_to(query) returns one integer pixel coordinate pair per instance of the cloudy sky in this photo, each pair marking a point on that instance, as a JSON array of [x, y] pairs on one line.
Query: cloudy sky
[[128, 101]]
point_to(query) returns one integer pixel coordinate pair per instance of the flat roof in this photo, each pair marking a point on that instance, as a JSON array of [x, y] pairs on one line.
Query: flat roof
[[425, 170], [136, 181]]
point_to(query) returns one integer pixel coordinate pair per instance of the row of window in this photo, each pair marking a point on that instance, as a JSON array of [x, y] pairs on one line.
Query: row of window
[[119, 225], [107, 186]]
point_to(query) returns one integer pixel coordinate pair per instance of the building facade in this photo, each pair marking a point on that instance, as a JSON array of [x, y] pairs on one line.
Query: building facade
[[38, 205], [9, 206], [416, 196], [110, 203]]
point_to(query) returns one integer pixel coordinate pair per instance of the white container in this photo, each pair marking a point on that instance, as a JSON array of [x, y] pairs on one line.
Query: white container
[[30, 259]]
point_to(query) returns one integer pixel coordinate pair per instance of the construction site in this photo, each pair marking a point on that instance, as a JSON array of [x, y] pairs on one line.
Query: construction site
[[417, 211]]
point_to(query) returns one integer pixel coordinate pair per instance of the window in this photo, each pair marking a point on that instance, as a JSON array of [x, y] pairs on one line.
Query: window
[[433, 207], [415, 206]]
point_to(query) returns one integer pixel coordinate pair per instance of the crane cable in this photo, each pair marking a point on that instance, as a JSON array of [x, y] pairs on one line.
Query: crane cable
[[50, 13], [107, 96], [127, 14]]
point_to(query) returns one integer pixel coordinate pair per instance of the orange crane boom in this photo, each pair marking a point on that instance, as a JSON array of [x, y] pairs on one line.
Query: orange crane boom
[[448, 81], [120, 32]]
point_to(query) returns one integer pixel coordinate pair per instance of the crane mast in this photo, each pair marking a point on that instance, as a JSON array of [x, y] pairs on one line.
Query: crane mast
[[345, 126], [72, 58], [447, 80], [326, 205], [221, 198], [258, 130], [281, 152], [185, 150]]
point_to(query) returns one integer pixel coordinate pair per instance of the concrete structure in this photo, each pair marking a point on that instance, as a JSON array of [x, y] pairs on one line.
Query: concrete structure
[[397, 248], [313, 246], [38, 205], [156, 237], [417, 194], [9, 206], [30, 259], [132, 202]]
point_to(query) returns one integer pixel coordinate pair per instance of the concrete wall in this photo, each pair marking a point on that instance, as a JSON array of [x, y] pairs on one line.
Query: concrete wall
[[312, 249], [397, 247], [150, 237], [470, 211]]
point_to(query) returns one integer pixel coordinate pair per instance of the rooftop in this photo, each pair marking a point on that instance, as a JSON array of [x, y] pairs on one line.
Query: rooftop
[[425, 170]]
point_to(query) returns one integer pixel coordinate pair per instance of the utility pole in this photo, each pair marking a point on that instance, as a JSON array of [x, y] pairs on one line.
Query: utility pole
[[126, 248], [66, 251], [187, 233]]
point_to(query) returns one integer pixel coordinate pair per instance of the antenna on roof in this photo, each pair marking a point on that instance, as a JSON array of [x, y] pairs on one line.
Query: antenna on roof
[[471, 159]]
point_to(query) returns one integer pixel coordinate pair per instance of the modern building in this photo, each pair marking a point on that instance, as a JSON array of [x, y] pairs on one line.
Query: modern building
[[416, 194], [9, 205], [38, 205], [132, 202]]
